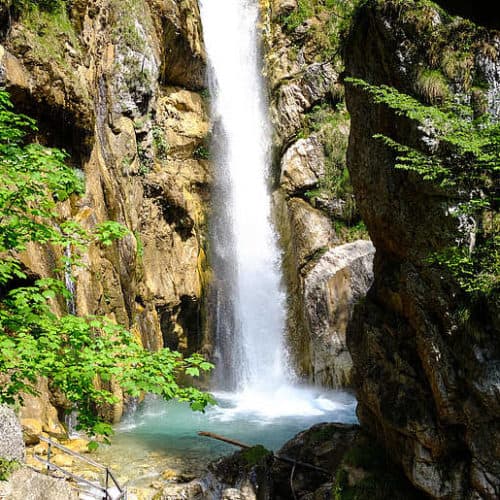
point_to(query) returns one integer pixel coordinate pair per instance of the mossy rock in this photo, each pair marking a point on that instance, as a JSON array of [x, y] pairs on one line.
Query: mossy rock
[[256, 455]]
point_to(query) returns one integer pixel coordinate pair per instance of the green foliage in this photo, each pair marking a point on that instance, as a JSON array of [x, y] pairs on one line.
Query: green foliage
[[160, 142], [20, 6], [75, 353], [432, 85], [305, 10], [351, 231], [109, 231], [331, 125], [139, 248], [202, 153], [47, 27], [124, 15], [205, 94], [331, 19], [462, 158], [255, 455], [7, 467]]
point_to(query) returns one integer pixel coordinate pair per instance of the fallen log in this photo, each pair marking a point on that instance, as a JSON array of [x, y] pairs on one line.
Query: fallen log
[[283, 458]]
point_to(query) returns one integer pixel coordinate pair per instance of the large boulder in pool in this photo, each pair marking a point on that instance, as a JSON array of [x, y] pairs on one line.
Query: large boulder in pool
[[330, 458]]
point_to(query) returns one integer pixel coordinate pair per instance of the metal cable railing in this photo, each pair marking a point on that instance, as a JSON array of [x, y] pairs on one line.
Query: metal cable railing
[[116, 491]]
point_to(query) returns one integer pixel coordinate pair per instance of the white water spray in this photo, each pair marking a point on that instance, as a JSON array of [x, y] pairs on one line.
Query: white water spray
[[257, 356], [248, 300]]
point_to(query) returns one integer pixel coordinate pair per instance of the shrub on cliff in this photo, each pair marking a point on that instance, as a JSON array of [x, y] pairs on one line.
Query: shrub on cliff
[[73, 352], [460, 153]]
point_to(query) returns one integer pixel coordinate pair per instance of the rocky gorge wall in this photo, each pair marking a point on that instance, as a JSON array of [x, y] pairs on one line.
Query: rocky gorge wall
[[426, 379], [327, 264], [119, 85]]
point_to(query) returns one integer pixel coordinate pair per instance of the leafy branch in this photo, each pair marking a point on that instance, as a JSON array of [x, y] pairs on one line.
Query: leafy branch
[[78, 355], [460, 154]]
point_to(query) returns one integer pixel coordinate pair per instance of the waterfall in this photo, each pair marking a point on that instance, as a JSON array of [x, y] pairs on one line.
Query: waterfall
[[70, 418], [258, 400], [247, 295], [69, 282]]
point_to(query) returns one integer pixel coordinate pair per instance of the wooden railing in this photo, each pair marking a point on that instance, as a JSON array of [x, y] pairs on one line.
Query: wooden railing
[[111, 489]]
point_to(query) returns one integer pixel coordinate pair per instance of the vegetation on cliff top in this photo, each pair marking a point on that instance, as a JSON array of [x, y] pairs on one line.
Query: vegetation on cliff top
[[75, 353], [331, 18]]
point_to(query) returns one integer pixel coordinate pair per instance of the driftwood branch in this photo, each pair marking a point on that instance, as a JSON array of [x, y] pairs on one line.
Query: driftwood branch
[[225, 439], [283, 458]]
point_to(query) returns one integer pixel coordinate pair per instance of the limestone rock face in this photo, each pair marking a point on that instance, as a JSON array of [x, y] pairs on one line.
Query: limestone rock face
[[309, 145], [295, 98], [312, 232], [115, 87], [40, 409], [302, 166], [11, 436], [427, 382], [333, 286], [184, 57]]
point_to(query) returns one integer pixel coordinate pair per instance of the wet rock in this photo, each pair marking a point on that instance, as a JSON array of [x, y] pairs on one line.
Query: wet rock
[[423, 377], [333, 286], [302, 166], [11, 435]]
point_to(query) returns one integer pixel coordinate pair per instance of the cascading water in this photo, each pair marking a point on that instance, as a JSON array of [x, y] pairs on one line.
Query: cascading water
[[69, 282], [262, 402], [246, 257], [250, 309]]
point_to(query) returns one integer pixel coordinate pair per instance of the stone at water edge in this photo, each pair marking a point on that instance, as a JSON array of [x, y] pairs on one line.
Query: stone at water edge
[[32, 428], [78, 445], [63, 461]]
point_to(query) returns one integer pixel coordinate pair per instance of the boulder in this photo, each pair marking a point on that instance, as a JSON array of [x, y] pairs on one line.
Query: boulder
[[302, 166], [333, 286], [11, 435], [26, 484]]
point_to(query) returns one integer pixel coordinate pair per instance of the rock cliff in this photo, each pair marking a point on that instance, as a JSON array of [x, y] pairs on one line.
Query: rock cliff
[[314, 204], [426, 377], [118, 84]]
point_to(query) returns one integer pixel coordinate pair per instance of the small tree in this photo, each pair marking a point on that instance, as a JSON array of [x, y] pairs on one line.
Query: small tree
[[73, 352]]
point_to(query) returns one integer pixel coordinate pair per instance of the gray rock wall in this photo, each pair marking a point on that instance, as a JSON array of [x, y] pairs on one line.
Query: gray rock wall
[[427, 381]]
